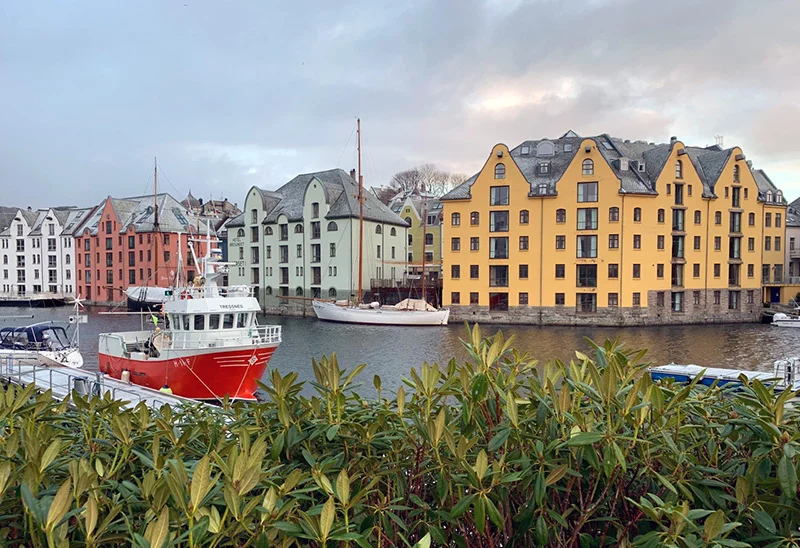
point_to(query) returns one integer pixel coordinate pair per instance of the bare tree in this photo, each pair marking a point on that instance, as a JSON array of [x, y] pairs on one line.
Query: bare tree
[[426, 179]]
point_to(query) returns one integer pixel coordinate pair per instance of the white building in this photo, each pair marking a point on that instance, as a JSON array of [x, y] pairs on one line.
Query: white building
[[303, 239], [38, 251]]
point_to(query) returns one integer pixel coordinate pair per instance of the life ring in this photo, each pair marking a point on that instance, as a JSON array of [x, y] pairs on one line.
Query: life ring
[[186, 295]]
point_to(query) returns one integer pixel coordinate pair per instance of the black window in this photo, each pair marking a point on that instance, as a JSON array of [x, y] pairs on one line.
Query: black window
[[613, 270], [498, 195], [498, 276], [613, 214], [523, 271], [498, 248], [587, 275], [559, 299], [560, 271], [474, 271], [455, 271], [498, 221], [524, 217], [587, 192]]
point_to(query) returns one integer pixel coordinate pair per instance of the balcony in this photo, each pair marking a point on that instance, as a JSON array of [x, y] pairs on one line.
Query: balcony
[[794, 253]]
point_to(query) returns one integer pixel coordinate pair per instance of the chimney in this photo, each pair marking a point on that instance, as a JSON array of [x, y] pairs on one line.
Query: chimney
[[353, 174], [200, 201], [750, 164], [29, 208], [672, 139]]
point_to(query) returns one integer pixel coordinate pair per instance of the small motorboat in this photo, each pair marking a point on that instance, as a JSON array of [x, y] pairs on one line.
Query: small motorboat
[[779, 319], [40, 343], [783, 376]]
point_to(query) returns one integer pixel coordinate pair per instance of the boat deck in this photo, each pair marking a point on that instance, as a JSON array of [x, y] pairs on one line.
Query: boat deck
[[63, 380]]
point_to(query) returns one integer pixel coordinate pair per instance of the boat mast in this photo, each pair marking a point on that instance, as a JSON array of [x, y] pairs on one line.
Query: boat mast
[[360, 219], [155, 214], [424, 237]]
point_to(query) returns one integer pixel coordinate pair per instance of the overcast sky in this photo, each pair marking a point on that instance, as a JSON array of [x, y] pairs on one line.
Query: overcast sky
[[234, 94]]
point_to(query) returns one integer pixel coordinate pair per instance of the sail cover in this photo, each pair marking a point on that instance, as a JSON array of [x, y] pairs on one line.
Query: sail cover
[[414, 304]]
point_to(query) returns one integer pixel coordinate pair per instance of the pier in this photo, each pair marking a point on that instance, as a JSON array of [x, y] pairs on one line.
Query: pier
[[61, 381]]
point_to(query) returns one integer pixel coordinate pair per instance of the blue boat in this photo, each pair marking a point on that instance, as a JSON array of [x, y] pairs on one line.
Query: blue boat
[[783, 376]]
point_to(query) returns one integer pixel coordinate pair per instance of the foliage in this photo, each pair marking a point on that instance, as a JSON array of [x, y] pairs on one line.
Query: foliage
[[496, 451]]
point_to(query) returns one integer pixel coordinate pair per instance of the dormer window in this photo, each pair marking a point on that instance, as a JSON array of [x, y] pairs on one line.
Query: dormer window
[[641, 167], [769, 194], [568, 147], [779, 197], [500, 171], [525, 150], [545, 148], [542, 188], [544, 168]]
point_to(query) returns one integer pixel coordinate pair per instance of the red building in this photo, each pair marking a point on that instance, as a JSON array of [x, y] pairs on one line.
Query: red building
[[119, 245]]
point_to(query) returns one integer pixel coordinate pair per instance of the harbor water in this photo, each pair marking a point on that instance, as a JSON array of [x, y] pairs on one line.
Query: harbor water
[[391, 352]]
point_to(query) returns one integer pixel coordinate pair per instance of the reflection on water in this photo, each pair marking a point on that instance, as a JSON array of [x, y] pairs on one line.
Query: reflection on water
[[391, 352]]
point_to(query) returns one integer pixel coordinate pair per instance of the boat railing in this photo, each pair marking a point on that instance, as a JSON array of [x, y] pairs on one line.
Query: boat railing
[[787, 370], [210, 291], [61, 383], [262, 334]]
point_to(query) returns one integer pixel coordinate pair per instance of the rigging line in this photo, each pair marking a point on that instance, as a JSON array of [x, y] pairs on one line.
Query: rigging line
[[346, 145], [164, 174]]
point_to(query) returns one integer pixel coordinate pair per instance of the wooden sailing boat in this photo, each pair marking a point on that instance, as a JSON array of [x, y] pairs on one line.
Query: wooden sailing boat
[[406, 312], [149, 297]]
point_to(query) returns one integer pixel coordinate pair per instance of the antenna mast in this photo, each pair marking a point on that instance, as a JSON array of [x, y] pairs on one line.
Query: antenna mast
[[156, 232], [360, 219], [424, 236]]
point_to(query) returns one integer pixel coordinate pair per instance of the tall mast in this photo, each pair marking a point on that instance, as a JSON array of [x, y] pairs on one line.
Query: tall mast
[[360, 219], [155, 214], [424, 236]]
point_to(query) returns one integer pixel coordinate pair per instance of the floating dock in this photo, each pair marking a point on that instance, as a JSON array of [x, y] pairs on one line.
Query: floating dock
[[63, 380], [783, 377]]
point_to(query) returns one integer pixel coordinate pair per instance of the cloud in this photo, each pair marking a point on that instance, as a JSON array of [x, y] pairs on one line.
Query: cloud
[[228, 95]]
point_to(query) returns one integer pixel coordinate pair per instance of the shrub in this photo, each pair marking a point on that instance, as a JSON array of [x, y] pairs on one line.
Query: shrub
[[496, 451]]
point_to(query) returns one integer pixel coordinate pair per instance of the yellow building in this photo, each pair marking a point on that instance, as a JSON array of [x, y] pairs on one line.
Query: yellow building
[[412, 209], [598, 230]]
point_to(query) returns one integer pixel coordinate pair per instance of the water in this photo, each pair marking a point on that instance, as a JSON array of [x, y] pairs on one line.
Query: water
[[391, 352]]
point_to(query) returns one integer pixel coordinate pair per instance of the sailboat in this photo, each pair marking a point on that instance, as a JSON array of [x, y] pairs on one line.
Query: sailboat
[[406, 312], [141, 297]]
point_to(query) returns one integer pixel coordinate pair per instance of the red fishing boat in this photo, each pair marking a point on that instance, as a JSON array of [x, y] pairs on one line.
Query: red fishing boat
[[211, 345]]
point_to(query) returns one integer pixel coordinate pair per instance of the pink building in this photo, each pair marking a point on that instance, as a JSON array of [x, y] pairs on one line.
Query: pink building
[[118, 246]]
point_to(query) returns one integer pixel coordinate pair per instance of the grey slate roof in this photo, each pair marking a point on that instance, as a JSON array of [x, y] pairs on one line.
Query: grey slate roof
[[139, 212], [708, 162], [66, 217], [236, 221], [341, 193]]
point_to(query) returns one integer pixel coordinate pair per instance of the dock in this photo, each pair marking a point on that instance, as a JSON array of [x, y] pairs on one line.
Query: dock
[[61, 381]]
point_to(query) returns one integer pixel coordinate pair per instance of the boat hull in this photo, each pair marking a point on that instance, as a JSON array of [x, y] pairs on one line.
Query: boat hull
[[69, 357], [208, 375], [791, 322], [379, 316]]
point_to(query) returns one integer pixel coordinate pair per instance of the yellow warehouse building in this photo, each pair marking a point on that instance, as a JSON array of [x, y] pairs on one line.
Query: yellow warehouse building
[[604, 231]]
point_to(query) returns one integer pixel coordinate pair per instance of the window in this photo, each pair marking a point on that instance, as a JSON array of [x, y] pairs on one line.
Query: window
[[677, 301], [561, 242], [498, 195], [637, 271], [777, 220], [455, 244], [473, 297], [559, 299], [735, 201], [561, 215], [751, 296], [697, 217], [613, 271], [716, 270], [751, 219], [745, 193], [679, 170], [523, 243], [267, 231], [315, 230], [718, 218], [378, 229], [588, 167], [587, 275], [498, 276], [637, 214], [768, 220], [613, 299], [777, 243], [751, 270], [696, 270], [523, 272], [474, 271], [300, 251], [587, 218], [333, 227], [613, 241], [298, 229], [678, 247], [726, 192], [500, 171], [613, 214], [733, 300], [767, 243], [455, 297], [659, 271], [254, 216], [524, 217], [637, 241], [586, 302], [379, 251], [560, 269], [523, 299], [669, 189], [587, 247], [587, 192], [661, 215], [735, 174], [637, 299], [455, 219], [660, 242], [474, 243], [717, 243], [544, 168], [736, 222], [498, 248], [429, 238], [498, 221], [474, 218], [660, 298], [315, 210], [284, 232]]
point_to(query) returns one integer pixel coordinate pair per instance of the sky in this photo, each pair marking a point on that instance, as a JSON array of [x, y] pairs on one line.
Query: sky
[[230, 94]]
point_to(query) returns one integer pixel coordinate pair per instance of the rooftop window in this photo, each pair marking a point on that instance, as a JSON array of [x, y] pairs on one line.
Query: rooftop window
[[545, 148], [525, 149], [568, 147]]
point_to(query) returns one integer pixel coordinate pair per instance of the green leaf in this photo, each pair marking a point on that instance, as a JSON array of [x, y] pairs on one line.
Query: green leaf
[[787, 475], [480, 514], [158, 531], [461, 506], [326, 518], [555, 475], [584, 438], [511, 409], [713, 525], [494, 513], [50, 455], [765, 521], [90, 515], [343, 487], [201, 482], [424, 542], [481, 464], [60, 505], [332, 431]]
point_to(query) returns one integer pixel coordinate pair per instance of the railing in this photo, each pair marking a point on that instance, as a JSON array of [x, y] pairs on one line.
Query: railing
[[792, 280]]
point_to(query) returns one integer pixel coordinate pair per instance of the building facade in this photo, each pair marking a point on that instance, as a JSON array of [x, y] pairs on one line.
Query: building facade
[[117, 246], [605, 231], [793, 238], [422, 237], [38, 252], [302, 240]]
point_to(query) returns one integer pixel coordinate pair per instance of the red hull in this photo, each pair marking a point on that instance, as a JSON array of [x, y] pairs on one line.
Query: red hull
[[206, 376]]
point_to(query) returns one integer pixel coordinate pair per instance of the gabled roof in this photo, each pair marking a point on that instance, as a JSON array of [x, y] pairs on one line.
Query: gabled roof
[[645, 163], [341, 193]]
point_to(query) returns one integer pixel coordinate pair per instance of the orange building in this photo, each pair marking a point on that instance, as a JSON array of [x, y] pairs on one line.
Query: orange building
[[119, 245]]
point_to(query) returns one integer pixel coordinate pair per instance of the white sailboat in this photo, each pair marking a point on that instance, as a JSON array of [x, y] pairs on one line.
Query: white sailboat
[[406, 312]]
